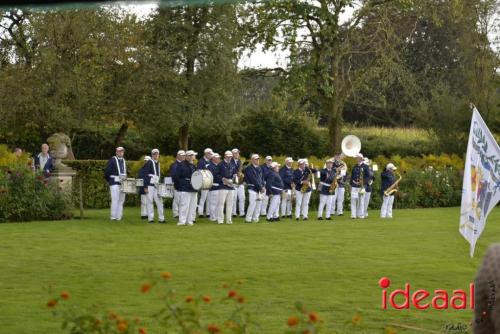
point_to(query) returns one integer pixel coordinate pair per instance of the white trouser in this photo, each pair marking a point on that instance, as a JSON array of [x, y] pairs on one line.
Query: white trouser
[[175, 204], [286, 205], [357, 203], [387, 203], [253, 209], [325, 201], [263, 205], [339, 201], [203, 201], [187, 207], [117, 200], [302, 204], [366, 203], [153, 197], [239, 200], [144, 205], [213, 201], [225, 197], [274, 206]]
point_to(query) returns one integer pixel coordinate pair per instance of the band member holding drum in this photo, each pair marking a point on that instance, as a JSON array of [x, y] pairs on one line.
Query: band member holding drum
[[388, 180], [116, 171], [266, 168], [341, 170], [181, 156], [213, 193], [274, 187], [301, 178], [225, 170], [239, 188], [286, 174], [202, 165], [369, 176], [188, 196], [357, 187], [144, 196], [256, 189], [150, 184], [328, 188]]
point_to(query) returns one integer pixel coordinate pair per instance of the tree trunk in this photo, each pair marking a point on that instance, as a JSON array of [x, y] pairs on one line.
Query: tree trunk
[[335, 123], [184, 136], [120, 136]]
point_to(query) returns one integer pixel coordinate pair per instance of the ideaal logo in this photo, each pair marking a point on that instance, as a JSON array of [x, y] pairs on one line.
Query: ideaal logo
[[423, 299]]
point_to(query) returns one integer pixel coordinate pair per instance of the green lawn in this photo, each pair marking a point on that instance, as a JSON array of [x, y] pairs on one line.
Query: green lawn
[[333, 267]]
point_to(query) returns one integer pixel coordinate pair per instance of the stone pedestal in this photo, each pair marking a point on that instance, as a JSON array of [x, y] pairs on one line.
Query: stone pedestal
[[59, 143]]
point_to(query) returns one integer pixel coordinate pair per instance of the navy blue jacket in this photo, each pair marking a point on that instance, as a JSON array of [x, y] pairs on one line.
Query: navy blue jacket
[[184, 172], [174, 175], [216, 185], [274, 184], [254, 178], [356, 175], [112, 169], [152, 168], [299, 176], [286, 175], [225, 170], [142, 175], [49, 165], [203, 164], [236, 164], [368, 176], [326, 178], [265, 171], [387, 180]]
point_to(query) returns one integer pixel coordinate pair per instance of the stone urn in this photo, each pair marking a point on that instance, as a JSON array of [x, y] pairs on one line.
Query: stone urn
[[59, 144]]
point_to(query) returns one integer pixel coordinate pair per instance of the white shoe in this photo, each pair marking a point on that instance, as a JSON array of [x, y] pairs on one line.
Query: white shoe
[[181, 224], [230, 222], [190, 224], [220, 223]]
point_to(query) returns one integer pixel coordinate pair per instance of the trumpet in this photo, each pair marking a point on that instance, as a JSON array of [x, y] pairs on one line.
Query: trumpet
[[393, 187]]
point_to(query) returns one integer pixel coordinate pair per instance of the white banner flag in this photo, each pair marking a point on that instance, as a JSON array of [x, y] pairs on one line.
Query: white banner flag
[[481, 187]]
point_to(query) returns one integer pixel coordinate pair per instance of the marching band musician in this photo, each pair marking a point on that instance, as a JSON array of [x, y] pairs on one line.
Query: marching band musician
[[338, 203], [388, 180], [116, 171], [369, 176], [255, 184], [150, 184], [144, 196], [213, 192], [239, 191], [203, 164], [180, 157], [303, 189], [286, 174], [327, 194], [266, 167], [226, 171], [357, 192], [274, 187], [188, 196]]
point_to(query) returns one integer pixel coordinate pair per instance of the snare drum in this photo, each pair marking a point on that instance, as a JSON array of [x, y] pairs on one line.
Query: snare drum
[[202, 179], [129, 186], [166, 190], [139, 183]]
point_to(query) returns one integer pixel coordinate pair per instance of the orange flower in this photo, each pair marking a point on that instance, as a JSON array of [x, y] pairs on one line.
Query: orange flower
[[65, 295], [52, 303], [166, 275], [145, 287], [356, 320], [292, 321], [188, 299], [212, 328], [241, 300], [232, 294], [143, 330], [97, 323], [313, 316], [207, 299], [122, 326]]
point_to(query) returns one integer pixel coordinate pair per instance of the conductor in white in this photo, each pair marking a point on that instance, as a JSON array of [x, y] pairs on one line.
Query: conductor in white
[[116, 171]]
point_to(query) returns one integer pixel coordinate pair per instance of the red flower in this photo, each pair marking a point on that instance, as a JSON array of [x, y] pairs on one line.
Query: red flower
[[122, 326], [241, 300], [292, 321], [65, 295], [188, 299], [52, 303], [145, 288], [212, 328], [313, 316], [207, 299], [143, 330], [232, 294]]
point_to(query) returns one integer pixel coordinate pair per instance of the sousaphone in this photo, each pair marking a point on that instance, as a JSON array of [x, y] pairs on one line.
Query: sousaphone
[[351, 146]]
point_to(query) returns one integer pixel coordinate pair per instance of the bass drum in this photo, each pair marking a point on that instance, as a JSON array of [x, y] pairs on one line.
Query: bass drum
[[202, 179]]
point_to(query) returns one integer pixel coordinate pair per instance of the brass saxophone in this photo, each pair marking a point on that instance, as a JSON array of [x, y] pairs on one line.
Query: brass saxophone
[[334, 184], [392, 189], [304, 187], [240, 176]]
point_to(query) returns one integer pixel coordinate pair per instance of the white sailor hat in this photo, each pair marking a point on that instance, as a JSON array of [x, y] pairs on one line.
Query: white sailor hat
[[289, 159], [366, 161], [191, 152], [228, 154], [235, 150], [301, 161], [147, 158], [208, 150], [255, 156], [390, 165], [120, 148], [330, 160], [359, 155], [216, 155], [275, 164], [155, 150], [181, 152], [269, 157]]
